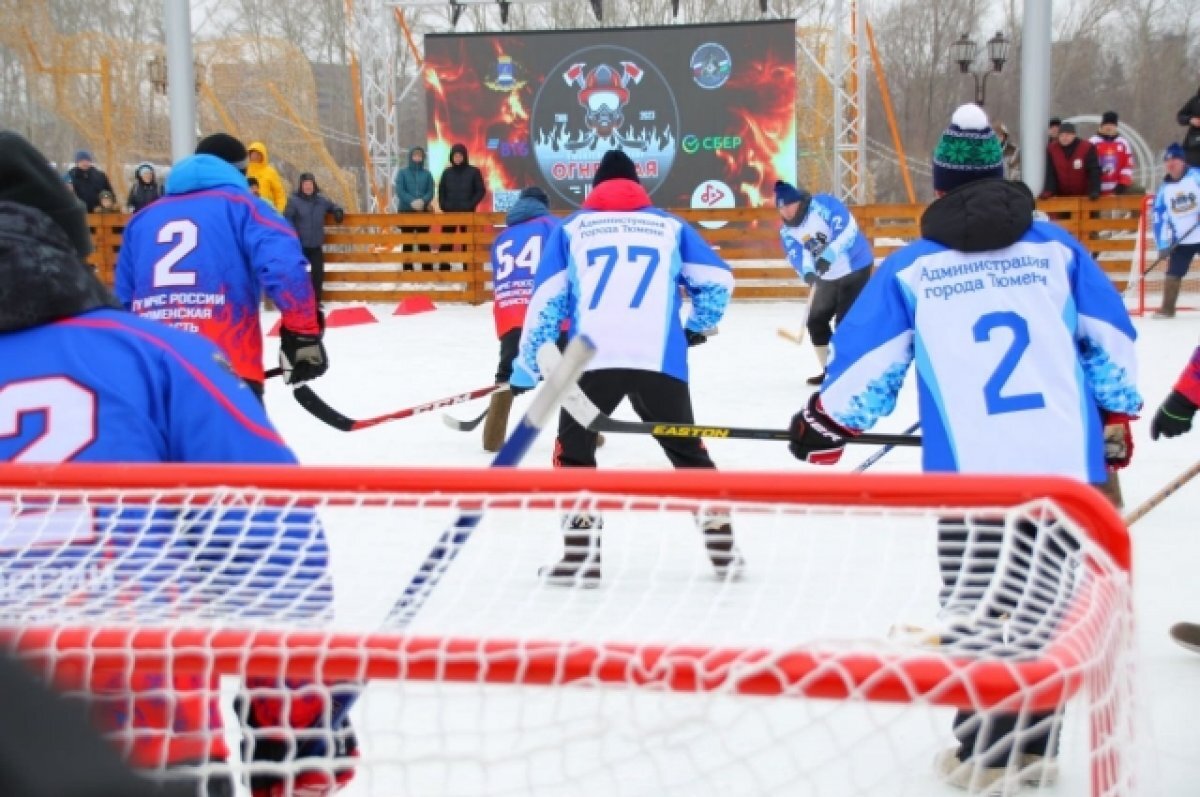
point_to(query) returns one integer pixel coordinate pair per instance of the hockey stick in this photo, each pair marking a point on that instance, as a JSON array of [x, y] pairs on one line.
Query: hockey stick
[[558, 384], [317, 407], [1172, 487], [1170, 251], [467, 425], [881, 453], [798, 337], [588, 415]]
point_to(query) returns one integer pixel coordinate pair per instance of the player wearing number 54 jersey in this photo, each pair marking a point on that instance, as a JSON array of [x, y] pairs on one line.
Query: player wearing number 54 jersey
[[614, 270], [200, 258]]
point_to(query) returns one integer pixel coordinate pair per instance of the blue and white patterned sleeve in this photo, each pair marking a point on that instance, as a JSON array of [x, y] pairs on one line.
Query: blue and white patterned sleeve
[[550, 304], [1106, 337], [1164, 230], [797, 254], [870, 352], [841, 223], [707, 279]]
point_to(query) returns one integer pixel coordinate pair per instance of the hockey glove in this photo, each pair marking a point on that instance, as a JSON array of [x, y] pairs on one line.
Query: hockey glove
[[1174, 417], [815, 437], [521, 381], [822, 265], [1118, 440], [694, 338], [301, 357]]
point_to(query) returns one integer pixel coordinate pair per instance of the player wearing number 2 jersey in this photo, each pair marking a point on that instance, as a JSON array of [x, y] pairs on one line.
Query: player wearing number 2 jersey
[[515, 255], [1025, 364], [614, 269], [200, 258]]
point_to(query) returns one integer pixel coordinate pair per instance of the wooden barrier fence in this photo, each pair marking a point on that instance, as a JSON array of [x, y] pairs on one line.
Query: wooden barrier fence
[[366, 257]]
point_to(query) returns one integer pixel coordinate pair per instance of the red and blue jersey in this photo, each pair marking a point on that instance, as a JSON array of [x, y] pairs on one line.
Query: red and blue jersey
[[107, 386], [201, 257], [515, 256]]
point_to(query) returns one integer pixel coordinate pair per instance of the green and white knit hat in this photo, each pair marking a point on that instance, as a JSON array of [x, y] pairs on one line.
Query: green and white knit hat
[[968, 150]]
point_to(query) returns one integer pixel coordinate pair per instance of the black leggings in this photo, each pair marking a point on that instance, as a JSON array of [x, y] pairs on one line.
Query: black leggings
[[831, 300], [654, 396], [316, 259]]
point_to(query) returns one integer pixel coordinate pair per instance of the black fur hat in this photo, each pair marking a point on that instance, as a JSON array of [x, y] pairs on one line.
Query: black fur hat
[[615, 165], [26, 178]]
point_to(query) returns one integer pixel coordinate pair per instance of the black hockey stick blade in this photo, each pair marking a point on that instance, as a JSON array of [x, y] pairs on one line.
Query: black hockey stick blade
[[464, 426], [317, 407]]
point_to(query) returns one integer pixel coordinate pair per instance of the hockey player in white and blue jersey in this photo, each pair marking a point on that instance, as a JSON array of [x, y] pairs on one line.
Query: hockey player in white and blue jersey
[[614, 270], [1025, 364], [823, 243], [1176, 224]]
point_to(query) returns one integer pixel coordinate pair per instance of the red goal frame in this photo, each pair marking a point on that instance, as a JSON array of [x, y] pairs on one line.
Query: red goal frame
[[328, 656]]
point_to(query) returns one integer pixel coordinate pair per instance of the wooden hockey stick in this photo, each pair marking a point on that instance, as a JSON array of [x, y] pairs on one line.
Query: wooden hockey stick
[[798, 337], [317, 407], [1166, 492]]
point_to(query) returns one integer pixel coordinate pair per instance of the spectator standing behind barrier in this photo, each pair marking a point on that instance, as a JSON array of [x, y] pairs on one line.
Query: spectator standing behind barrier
[[1176, 224], [460, 190], [87, 181], [823, 243], [1011, 152], [1072, 168], [270, 184], [145, 188], [1052, 129], [306, 210], [108, 203], [1189, 117], [413, 186], [1115, 156]]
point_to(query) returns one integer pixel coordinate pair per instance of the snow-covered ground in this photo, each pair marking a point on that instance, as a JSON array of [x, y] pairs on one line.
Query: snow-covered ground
[[749, 376]]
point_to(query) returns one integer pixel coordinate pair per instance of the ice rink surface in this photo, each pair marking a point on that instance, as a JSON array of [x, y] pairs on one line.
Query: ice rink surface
[[749, 376]]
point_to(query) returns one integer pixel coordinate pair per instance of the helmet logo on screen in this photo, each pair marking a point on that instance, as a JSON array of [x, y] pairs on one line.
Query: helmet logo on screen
[[711, 65], [609, 97]]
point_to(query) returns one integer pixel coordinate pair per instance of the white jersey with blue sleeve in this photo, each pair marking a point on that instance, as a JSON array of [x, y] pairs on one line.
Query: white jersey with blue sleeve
[[828, 230], [1017, 350], [616, 277], [1177, 211]]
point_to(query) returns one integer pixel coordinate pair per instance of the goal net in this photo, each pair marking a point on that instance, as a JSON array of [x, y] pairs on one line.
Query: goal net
[[389, 630]]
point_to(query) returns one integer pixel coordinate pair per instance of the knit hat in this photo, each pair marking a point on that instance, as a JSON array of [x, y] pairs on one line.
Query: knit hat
[[615, 165], [1066, 127], [786, 194], [536, 193], [27, 179], [1054, 121], [1174, 150], [968, 150], [83, 155], [225, 147], [1109, 118]]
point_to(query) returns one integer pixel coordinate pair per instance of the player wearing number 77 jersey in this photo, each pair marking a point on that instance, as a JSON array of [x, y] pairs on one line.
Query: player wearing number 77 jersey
[[1025, 365], [614, 269], [515, 255], [200, 258]]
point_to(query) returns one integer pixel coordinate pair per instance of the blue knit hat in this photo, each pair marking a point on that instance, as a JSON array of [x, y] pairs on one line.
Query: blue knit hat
[[786, 194], [968, 150], [83, 155], [1174, 150]]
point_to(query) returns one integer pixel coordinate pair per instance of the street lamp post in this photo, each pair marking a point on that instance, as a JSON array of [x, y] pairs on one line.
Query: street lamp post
[[964, 51]]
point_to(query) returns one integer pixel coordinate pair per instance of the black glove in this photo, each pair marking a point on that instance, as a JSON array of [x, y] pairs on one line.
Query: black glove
[[339, 215], [822, 265], [302, 357], [694, 338], [815, 437], [1174, 417]]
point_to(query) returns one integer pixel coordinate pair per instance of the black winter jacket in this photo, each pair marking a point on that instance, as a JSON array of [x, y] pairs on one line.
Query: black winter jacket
[[1191, 136], [980, 216], [307, 213], [461, 188], [87, 185]]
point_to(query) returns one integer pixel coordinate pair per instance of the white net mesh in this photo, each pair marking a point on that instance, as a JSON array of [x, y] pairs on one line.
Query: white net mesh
[[662, 679]]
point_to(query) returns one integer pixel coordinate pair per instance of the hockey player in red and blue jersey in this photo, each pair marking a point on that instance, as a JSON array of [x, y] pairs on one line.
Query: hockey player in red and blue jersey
[[200, 258], [83, 381], [515, 255]]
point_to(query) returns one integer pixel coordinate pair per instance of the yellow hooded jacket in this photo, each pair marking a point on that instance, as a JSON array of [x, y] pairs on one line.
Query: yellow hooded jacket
[[270, 184]]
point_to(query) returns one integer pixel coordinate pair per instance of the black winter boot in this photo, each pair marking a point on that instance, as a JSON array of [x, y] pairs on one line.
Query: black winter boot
[[580, 565]]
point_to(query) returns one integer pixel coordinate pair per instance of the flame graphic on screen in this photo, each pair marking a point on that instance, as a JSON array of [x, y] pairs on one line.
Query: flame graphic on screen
[[766, 123]]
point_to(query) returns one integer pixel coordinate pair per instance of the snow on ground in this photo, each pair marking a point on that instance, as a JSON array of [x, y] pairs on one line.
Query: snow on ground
[[749, 376]]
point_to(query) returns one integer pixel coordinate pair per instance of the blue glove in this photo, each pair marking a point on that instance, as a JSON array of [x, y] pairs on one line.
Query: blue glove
[[521, 381]]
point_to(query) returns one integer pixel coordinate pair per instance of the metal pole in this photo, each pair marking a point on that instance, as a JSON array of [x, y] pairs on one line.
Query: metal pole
[[181, 77], [839, 101], [1035, 91]]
